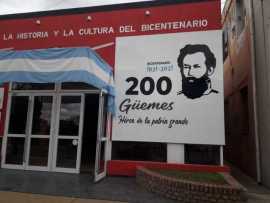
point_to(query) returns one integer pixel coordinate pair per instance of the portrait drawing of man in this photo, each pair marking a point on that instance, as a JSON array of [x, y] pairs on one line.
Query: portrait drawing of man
[[197, 63]]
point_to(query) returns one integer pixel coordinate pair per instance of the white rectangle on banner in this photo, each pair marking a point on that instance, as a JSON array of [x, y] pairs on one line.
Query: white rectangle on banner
[[167, 95]]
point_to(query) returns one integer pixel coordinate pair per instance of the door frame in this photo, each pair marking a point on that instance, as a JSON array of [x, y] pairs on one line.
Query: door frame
[[103, 125], [28, 135], [50, 136], [57, 137], [6, 136], [56, 93]]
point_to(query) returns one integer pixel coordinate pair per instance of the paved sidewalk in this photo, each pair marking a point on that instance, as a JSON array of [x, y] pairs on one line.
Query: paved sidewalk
[[16, 197], [18, 186], [63, 185], [256, 193]]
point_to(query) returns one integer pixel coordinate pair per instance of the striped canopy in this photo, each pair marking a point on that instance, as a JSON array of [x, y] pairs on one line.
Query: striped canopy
[[58, 65]]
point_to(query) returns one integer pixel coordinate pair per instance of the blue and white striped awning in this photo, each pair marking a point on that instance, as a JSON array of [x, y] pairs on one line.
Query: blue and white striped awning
[[58, 65]]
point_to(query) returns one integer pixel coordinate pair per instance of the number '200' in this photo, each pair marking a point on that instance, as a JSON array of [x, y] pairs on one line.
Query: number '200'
[[132, 90]]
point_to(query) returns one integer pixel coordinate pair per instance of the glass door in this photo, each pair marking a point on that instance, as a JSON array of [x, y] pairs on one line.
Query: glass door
[[102, 139], [39, 139], [68, 136], [16, 130], [28, 132]]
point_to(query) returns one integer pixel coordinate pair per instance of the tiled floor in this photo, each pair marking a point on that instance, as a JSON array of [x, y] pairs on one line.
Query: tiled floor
[[76, 186]]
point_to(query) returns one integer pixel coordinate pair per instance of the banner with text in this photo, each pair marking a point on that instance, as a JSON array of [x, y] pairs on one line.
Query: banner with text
[[169, 88]]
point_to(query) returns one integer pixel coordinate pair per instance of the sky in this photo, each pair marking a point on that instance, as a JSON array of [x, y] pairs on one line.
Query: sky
[[16, 6]]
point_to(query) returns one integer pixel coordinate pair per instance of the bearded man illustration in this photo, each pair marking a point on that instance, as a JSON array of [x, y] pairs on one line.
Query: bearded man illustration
[[197, 63]]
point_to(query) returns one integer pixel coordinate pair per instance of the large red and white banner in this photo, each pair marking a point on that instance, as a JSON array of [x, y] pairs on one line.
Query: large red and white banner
[[167, 61], [95, 29]]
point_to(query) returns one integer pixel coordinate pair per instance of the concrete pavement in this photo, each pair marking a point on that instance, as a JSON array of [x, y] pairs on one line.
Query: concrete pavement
[[256, 193], [18, 186], [121, 189], [254, 198]]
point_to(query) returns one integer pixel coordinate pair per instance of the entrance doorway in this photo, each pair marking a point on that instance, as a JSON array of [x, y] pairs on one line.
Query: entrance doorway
[[89, 138], [59, 131]]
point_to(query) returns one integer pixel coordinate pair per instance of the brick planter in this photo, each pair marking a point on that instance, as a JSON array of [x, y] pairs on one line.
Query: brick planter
[[189, 191]]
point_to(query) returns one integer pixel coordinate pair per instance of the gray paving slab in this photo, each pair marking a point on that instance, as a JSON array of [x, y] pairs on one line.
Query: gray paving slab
[[257, 193], [79, 186]]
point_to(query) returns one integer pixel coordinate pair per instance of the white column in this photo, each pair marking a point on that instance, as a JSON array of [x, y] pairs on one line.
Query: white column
[[221, 156], [176, 153]]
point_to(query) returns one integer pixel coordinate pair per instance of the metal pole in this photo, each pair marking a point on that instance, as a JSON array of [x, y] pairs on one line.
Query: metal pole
[[221, 155]]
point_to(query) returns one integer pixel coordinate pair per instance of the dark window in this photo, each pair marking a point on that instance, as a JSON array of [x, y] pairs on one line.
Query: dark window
[[139, 151], [41, 123], [202, 154], [77, 86], [18, 115], [66, 153], [32, 86], [15, 150], [39, 150], [70, 110]]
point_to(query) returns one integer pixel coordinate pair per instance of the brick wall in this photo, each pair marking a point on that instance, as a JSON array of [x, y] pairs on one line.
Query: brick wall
[[191, 192]]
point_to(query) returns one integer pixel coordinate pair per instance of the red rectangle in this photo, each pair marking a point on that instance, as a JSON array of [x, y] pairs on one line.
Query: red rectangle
[[128, 168]]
